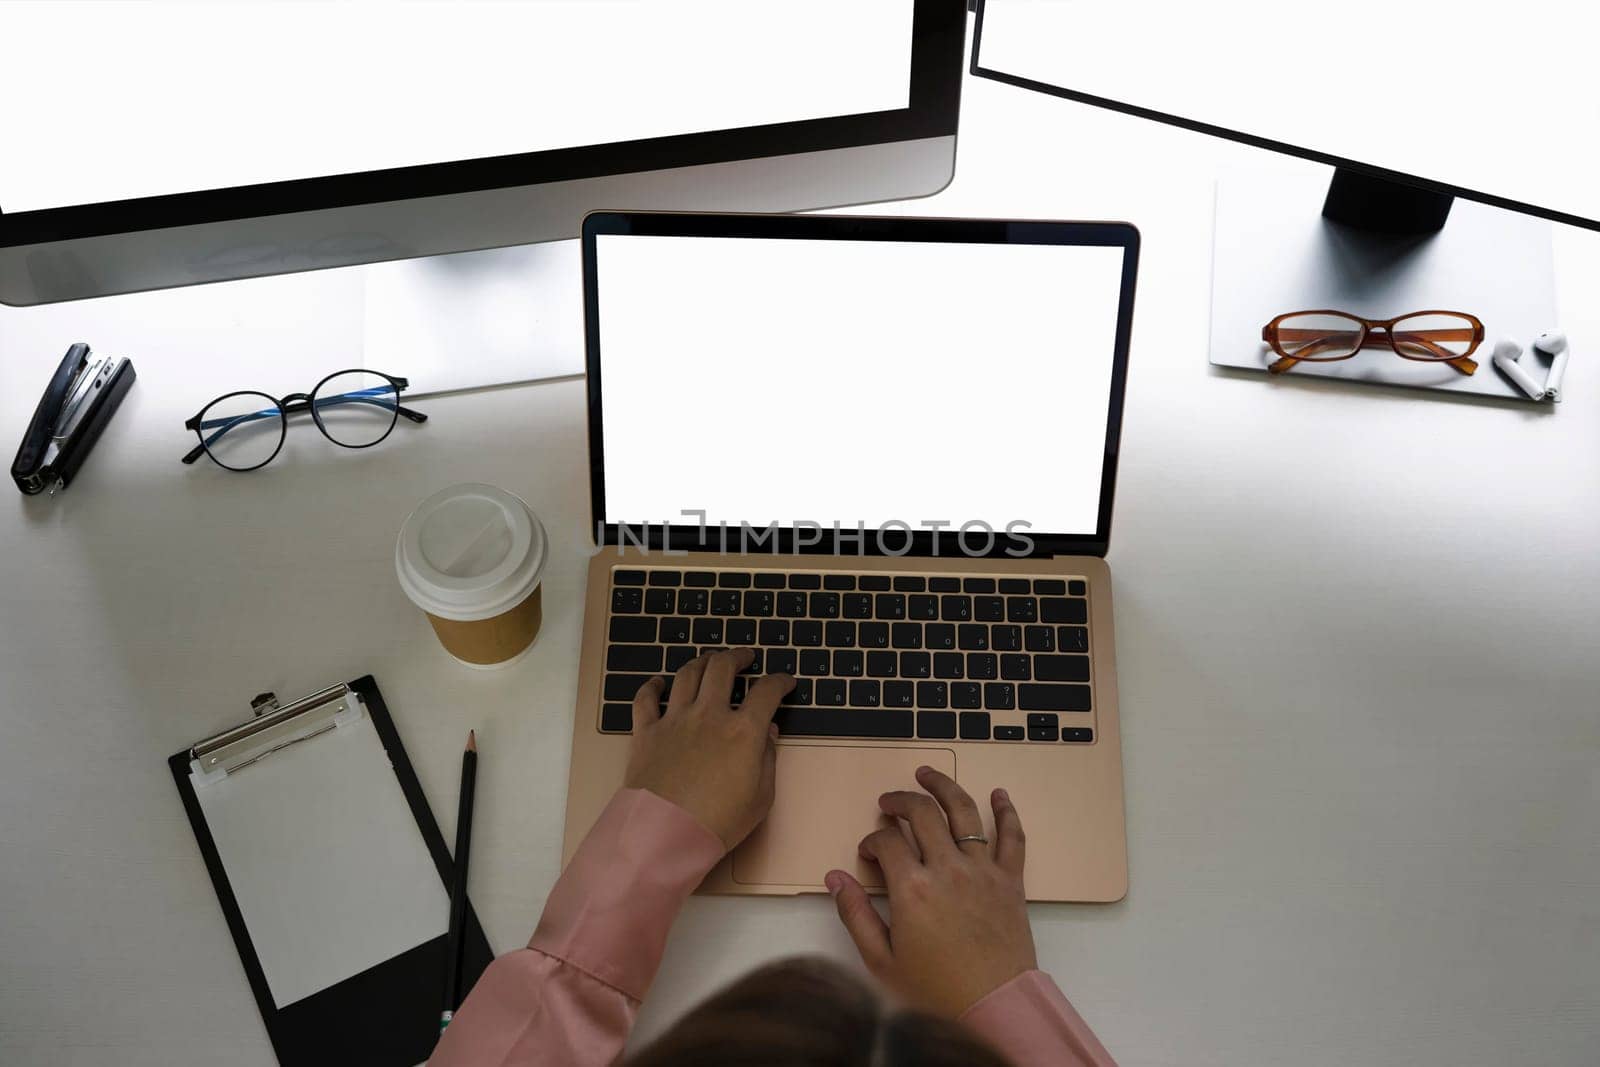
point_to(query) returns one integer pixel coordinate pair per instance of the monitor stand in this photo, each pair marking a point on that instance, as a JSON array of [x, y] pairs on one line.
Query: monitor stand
[[1276, 250], [1379, 206], [475, 319]]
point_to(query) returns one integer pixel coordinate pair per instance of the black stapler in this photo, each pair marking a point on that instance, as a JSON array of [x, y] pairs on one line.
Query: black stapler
[[83, 394]]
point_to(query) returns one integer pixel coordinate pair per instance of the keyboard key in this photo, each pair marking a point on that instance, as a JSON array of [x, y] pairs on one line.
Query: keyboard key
[[758, 602], [966, 695], [829, 692], [627, 577], [1061, 668], [826, 722], [769, 580], [1043, 721], [616, 718], [933, 694], [807, 633], [955, 608], [989, 609], [773, 631], [1072, 638], [815, 662], [839, 635], [733, 580], [1009, 733], [726, 602], [1080, 734], [865, 694], [1078, 587], [847, 663], [633, 629], [1041, 735], [973, 637], [700, 579], [890, 606], [974, 726], [678, 655], [938, 725], [873, 583], [646, 658], [805, 581], [873, 635], [755, 660], [824, 605], [708, 632], [659, 601], [1015, 667], [939, 635], [839, 581], [1049, 586], [915, 665], [623, 686], [736, 694], [693, 601], [1015, 585], [999, 696], [666, 578], [924, 607], [899, 694], [909, 583], [739, 632], [978, 585], [982, 666], [949, 665], [1023, 609], [791, 605], [782, 660], [858, 606], [800, 696], [627, 601], [1033, 696], [1065, 609], [907, 635], [1040, 639], [707, 650], [1006, 638], [882, 664]]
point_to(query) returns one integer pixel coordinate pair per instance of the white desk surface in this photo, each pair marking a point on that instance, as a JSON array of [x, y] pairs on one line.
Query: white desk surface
[[1356, 628]]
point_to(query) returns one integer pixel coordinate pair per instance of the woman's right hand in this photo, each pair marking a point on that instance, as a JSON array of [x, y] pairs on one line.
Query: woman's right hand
[[958, 925]]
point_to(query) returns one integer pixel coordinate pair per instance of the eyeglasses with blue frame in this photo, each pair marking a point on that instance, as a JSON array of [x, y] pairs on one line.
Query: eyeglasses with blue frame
[[245, 431]]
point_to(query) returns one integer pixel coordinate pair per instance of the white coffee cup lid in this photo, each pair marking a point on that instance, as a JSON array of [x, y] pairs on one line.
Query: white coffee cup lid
[[470, 552]]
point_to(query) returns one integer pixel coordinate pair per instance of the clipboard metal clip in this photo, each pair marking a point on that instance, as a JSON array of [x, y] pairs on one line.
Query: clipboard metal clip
[[272, 728]]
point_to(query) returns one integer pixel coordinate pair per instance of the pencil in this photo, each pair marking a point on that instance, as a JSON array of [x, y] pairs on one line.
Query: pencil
[[455, 940]]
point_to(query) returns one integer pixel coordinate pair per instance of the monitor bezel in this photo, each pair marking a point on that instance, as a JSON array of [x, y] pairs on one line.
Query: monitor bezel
[[937, 68], [1371, 170], [659, 534]]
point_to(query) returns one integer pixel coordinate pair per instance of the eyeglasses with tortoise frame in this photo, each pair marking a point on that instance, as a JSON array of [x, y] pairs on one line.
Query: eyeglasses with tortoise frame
[[1449, 337]]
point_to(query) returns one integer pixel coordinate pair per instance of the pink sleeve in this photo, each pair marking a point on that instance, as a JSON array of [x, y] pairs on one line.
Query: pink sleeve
[[1030, 1022], [570, 997]]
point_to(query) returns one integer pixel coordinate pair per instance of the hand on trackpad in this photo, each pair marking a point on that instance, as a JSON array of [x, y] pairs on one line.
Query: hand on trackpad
[[827, 801]]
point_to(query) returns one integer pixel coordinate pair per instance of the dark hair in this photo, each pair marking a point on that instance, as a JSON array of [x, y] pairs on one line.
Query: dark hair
[[807, 1012]]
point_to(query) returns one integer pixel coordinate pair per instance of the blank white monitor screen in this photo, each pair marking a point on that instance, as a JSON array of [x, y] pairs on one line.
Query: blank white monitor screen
[[1495, 98], [855, 382], [137, 98]]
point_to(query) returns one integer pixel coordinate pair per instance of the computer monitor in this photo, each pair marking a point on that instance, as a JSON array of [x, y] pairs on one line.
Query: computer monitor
[[153, 145], [1454, 132]]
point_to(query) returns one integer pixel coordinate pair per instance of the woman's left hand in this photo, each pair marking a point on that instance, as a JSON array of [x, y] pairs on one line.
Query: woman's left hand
[[715, 761]]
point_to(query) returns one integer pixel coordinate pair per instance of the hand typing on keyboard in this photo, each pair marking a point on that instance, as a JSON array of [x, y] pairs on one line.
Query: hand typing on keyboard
[[712, 759], [959, 915]]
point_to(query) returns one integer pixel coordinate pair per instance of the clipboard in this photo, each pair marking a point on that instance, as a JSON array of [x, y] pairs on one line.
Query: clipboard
[[332, 875]]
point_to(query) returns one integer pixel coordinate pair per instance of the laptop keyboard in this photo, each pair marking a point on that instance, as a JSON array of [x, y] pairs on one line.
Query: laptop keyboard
[[879, 656]]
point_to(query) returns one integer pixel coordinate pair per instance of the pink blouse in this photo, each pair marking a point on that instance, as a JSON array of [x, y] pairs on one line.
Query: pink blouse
[[570, 997]]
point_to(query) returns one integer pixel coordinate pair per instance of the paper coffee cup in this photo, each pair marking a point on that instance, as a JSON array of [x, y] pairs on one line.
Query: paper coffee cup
[[471, 557]]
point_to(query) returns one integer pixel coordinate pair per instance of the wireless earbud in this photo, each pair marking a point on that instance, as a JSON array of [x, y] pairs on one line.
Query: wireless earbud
[[1506, 355], [1554, 344]]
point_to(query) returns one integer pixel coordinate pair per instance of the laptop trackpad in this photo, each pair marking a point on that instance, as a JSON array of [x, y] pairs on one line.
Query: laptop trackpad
[[827, 802]]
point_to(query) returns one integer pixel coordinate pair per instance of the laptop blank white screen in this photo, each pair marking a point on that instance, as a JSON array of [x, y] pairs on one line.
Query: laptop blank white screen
[[871, 382]]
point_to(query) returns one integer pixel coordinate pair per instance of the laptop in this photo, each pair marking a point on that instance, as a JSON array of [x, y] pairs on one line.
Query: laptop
[[882, 452]]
